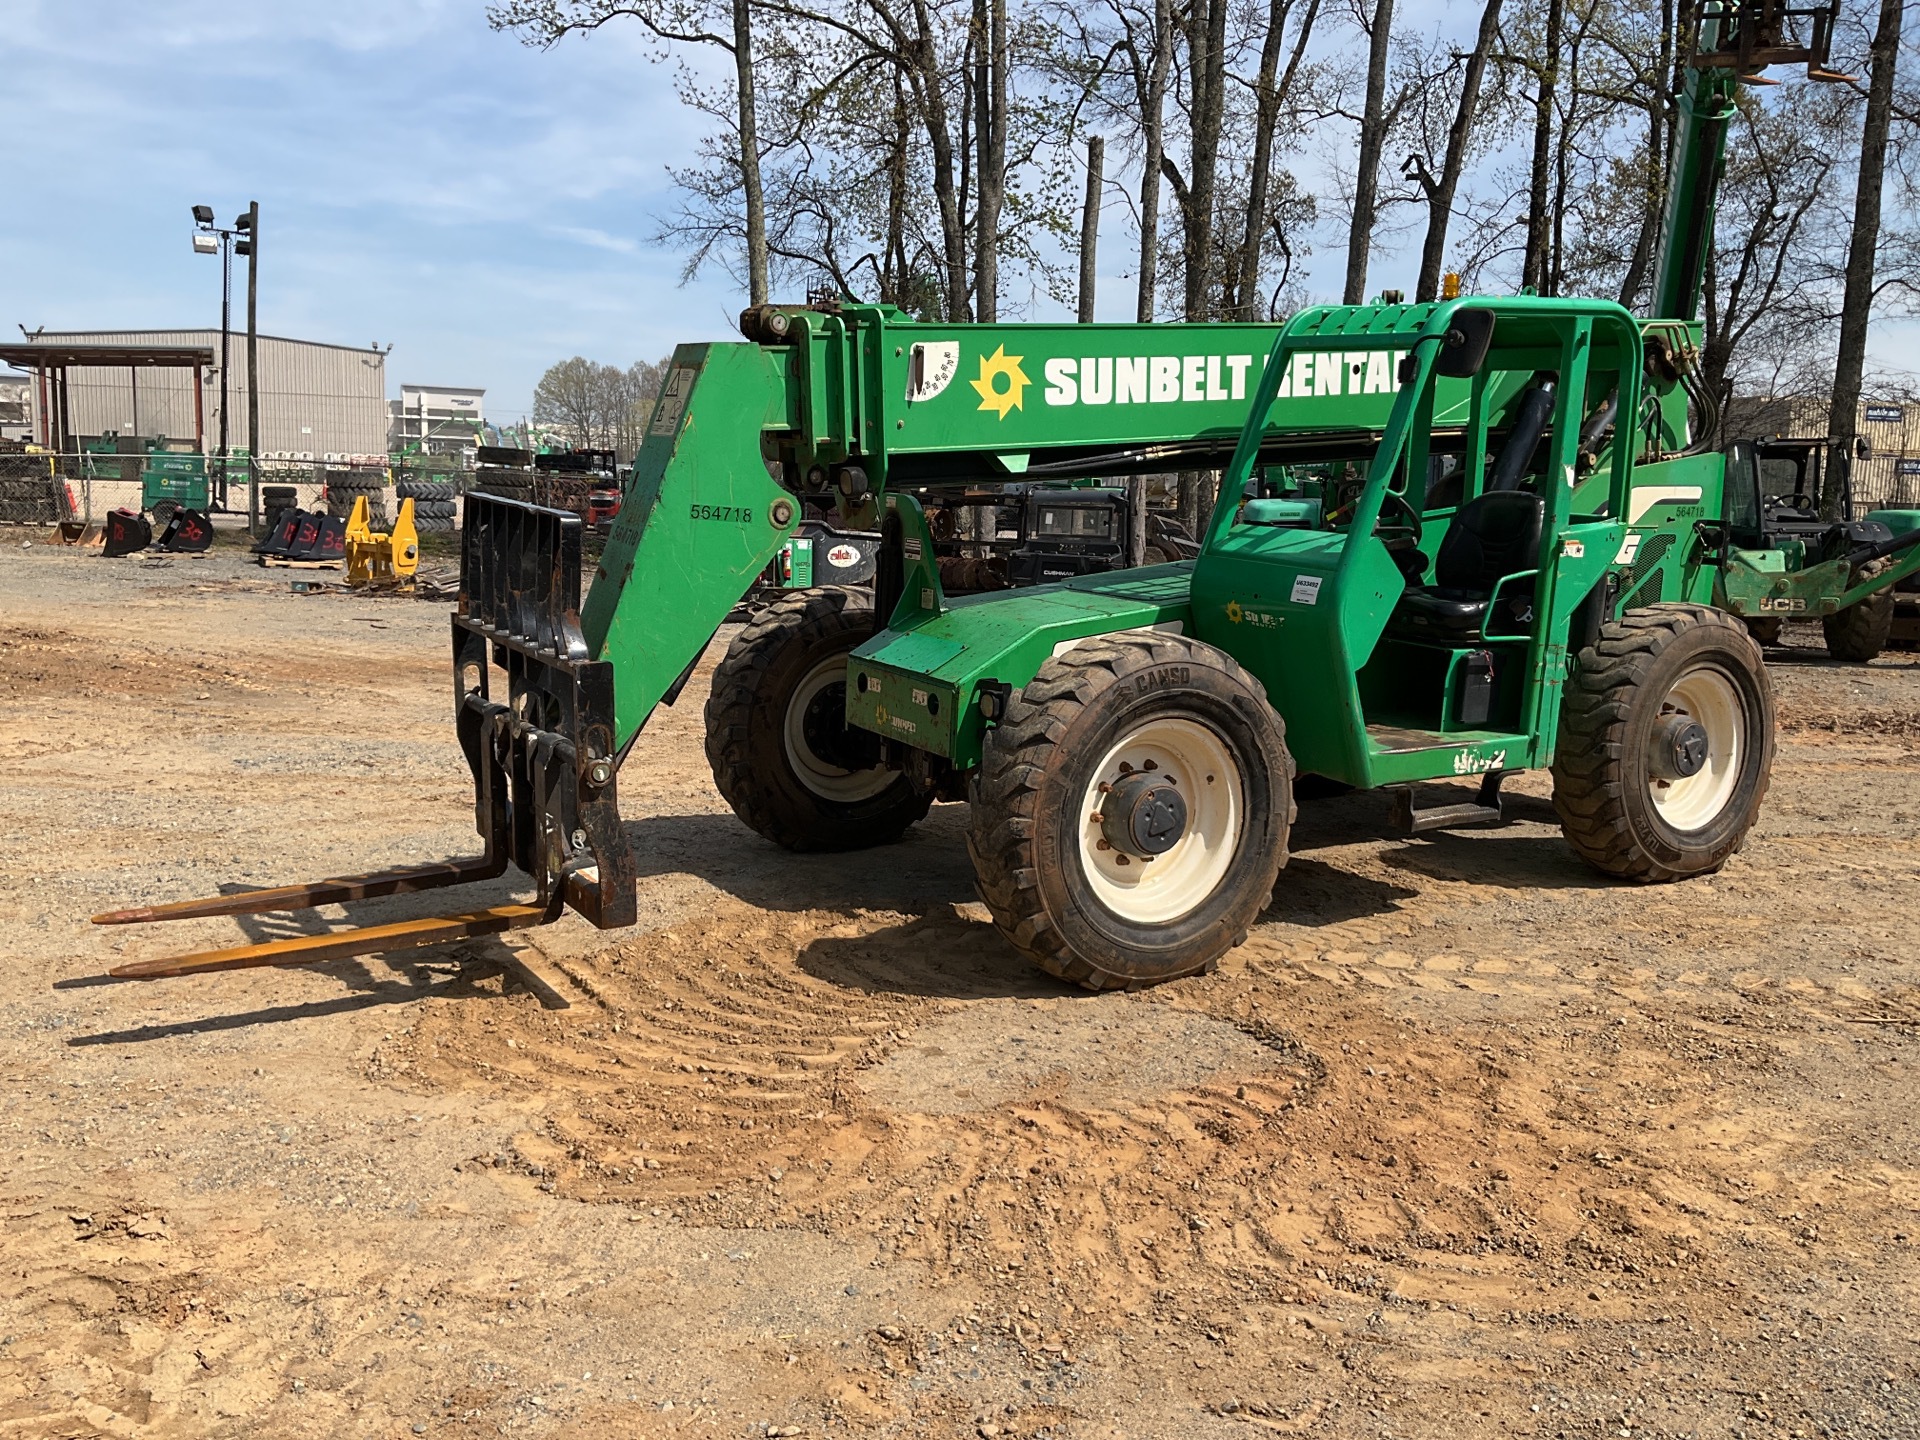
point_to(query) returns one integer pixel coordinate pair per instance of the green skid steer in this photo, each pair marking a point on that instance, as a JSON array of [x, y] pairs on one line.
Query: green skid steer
[[1453, 541]]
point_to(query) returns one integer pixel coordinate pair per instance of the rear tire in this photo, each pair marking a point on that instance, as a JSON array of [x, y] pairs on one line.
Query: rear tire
[[1859, 632], [777, 739], [1626, 714], [1109, 711]]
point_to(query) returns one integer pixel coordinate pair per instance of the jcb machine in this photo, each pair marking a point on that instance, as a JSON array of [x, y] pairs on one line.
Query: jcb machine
[[1783, 559], [1452, 540]]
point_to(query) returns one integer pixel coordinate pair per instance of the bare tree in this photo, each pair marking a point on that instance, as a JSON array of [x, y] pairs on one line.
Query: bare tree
[[1760, 301], [1374, 124], [1856, 306], [1090, 228], [1270, 90], [544, 23], [1440, 191], [1546, 75], [1150, 68]]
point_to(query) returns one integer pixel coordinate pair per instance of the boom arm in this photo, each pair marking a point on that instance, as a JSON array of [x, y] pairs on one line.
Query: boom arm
[[1736, 40]]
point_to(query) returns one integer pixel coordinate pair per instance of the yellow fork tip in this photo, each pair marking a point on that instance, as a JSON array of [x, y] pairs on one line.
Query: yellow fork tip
[[123, 917]]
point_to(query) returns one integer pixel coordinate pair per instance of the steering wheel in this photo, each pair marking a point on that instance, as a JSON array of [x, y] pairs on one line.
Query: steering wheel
[[1409, 526]]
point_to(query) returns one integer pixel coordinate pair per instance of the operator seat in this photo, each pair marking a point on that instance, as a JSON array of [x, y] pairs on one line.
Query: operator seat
[[1492, 536]]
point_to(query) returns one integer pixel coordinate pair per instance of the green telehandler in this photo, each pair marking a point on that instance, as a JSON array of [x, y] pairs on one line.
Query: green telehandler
[[1453, 540]]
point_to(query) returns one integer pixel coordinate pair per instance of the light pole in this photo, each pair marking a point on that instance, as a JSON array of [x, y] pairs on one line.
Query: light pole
[[240, 238]]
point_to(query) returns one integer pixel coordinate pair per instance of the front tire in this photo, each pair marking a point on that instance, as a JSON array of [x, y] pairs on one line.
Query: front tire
[[1859, 632], [777, 737], [1666, 744], [1111, 898]]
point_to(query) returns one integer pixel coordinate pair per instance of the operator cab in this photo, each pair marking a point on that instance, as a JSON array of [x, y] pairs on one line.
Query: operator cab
[[1437, 566], [1773, 500]]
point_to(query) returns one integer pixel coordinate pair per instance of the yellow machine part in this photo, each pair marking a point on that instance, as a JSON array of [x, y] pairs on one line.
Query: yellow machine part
[[376, 557]]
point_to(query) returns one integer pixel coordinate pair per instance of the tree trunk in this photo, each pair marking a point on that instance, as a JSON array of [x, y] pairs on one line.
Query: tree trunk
[[1206, 48], [1153, 139], [1268, 91], [1660, 118], [929, 87], [750, 155], [991, 109], [1533, 271], [1373, 139], [897, 282], [1090, 227], [1440, 197], [1856, 306]]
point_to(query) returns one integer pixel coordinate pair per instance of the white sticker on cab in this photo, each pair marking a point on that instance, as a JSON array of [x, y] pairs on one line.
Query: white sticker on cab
[[1306, 590]]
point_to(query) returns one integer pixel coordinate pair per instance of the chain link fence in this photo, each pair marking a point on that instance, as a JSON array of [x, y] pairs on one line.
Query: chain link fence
[[47, 489]]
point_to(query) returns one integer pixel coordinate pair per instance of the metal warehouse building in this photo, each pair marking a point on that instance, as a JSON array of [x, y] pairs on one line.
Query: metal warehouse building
[[317, 401]]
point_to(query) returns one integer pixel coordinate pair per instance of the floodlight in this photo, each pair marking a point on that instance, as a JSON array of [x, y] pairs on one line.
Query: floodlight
[[203, 214], [206, 245]]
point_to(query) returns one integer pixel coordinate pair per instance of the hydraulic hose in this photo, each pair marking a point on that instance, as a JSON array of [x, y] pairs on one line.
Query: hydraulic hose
[[1867, 554], [1709, 409]]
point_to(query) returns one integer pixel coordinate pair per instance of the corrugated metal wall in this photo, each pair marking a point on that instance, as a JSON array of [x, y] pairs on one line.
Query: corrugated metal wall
[[1889, 478], [314, 399]]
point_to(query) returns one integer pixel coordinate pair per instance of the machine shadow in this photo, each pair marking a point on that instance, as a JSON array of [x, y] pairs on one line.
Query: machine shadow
[[1505, 861], [937, 957], [1313, 893], [925, 870]]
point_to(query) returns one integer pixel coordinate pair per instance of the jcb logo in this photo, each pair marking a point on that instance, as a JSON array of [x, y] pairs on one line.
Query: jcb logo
[[1789, 603]]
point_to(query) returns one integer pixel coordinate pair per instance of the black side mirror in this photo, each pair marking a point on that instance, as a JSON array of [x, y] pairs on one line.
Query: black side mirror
[[1463, 350]]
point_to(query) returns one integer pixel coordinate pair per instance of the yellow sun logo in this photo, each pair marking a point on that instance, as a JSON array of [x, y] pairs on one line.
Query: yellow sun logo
[[1234, 612], [992, 368]]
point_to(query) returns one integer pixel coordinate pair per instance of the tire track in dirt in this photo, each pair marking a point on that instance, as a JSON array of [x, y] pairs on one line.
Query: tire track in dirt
[[738, 1071]]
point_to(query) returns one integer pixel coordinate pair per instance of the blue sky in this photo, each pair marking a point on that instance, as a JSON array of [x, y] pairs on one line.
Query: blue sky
[[423, 181]]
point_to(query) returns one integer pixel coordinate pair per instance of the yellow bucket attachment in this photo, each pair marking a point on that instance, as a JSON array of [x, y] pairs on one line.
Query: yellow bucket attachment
[[377, 557]]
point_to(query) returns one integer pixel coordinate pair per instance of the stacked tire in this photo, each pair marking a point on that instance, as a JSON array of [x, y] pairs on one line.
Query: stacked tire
[[434, 505], [566, 492], [30, 500], [276, 498], [346, 486], [505, 481]]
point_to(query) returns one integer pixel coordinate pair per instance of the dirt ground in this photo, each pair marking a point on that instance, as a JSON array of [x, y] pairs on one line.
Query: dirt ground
[[1465, 1141]]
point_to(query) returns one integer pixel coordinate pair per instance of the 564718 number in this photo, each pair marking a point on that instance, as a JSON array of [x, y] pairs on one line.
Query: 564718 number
[[735, 513]]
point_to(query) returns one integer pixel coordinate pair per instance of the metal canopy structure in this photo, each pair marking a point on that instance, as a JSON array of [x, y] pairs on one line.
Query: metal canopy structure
[[51, 361]]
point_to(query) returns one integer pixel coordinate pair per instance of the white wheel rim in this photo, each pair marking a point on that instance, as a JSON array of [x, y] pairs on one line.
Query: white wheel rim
[[1178, 882], [828, 781], [1695, 801]]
